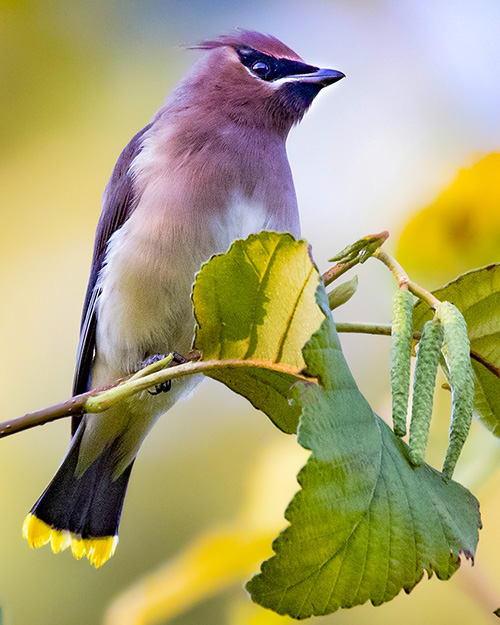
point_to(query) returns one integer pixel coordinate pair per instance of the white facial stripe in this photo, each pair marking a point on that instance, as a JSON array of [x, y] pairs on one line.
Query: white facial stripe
[[295, 78], [276, 84], [249, 71], [273, 84]]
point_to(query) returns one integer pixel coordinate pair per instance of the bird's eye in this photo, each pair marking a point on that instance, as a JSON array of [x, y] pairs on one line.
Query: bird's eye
[[260, 68]]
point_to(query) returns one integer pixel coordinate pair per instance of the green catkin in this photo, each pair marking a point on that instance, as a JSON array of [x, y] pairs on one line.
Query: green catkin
[[402, 335], [456, 350], [424, 381]]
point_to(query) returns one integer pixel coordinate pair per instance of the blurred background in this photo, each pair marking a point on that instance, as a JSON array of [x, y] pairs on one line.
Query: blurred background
[[401, 144]]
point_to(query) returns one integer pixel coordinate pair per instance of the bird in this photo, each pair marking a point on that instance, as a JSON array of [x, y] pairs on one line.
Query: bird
[[210, 167]]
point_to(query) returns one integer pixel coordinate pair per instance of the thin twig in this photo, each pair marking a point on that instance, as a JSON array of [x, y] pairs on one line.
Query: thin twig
[[337, 270], [404, 281], [99, 400], [74, 407], [153, 367], [380, 329]]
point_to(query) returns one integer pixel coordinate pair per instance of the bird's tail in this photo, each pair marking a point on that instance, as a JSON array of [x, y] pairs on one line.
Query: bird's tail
[[80, 511]]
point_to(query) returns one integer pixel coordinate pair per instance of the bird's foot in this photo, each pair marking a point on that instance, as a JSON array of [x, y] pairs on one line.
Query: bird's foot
[[163, 387]]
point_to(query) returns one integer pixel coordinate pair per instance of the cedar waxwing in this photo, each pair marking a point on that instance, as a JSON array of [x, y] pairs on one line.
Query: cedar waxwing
[[210, 167]]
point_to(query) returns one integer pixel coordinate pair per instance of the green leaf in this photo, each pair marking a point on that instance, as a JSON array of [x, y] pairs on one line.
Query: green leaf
[[256, 303], [342, 293], [365, 524], [477, 295]]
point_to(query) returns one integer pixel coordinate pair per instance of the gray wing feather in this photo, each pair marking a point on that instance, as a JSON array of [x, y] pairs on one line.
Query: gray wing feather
[[118, 205]]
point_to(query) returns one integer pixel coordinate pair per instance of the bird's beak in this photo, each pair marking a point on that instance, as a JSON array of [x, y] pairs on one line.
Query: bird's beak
[[321, 77]]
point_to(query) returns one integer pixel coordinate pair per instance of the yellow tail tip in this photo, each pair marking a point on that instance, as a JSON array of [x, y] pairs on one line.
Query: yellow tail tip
[[36, 532], [97, 550]]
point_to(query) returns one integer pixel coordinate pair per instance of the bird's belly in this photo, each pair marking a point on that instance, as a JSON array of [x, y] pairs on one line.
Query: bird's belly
[[145, 303], [144, 307]]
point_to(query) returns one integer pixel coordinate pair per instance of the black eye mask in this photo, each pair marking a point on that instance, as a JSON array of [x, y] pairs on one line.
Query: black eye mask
[[269, 68]]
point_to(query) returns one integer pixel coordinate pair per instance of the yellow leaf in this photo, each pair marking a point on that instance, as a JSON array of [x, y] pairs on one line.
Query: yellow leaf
[[223, 557], [214, 561], [246, 613]]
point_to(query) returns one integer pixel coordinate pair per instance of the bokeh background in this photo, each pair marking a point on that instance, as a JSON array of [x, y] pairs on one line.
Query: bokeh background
[[77, 79]]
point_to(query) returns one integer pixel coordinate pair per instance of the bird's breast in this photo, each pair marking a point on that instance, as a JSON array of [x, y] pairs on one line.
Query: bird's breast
[[145, 305], [241, 217]]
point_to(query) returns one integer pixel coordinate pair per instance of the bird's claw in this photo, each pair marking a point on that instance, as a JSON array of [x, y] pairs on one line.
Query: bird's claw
[[165, 386], [178, 359]]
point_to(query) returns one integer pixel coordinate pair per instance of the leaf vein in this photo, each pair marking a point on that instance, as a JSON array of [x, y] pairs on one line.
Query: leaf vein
[[289, 321], [252, 342]]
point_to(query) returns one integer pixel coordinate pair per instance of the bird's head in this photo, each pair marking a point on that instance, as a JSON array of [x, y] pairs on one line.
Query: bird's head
[[254, 80]]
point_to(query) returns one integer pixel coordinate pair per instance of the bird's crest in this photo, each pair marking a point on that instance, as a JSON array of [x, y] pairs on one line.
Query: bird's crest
[[240, 38]]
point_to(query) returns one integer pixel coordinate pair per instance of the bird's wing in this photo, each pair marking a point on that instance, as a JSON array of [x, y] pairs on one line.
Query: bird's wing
[[118, 205]]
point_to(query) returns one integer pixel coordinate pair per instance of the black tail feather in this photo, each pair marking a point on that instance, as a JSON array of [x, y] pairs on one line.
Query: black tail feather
[[90, 505]]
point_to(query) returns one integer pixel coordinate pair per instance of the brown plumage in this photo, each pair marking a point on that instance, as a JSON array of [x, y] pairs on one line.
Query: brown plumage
[[211, 167]]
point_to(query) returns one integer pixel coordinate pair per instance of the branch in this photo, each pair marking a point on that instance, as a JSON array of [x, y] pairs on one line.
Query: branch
[[101, 399], [404, 281], [74, 407], [369, 246], [337, 270], [380, 329]]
